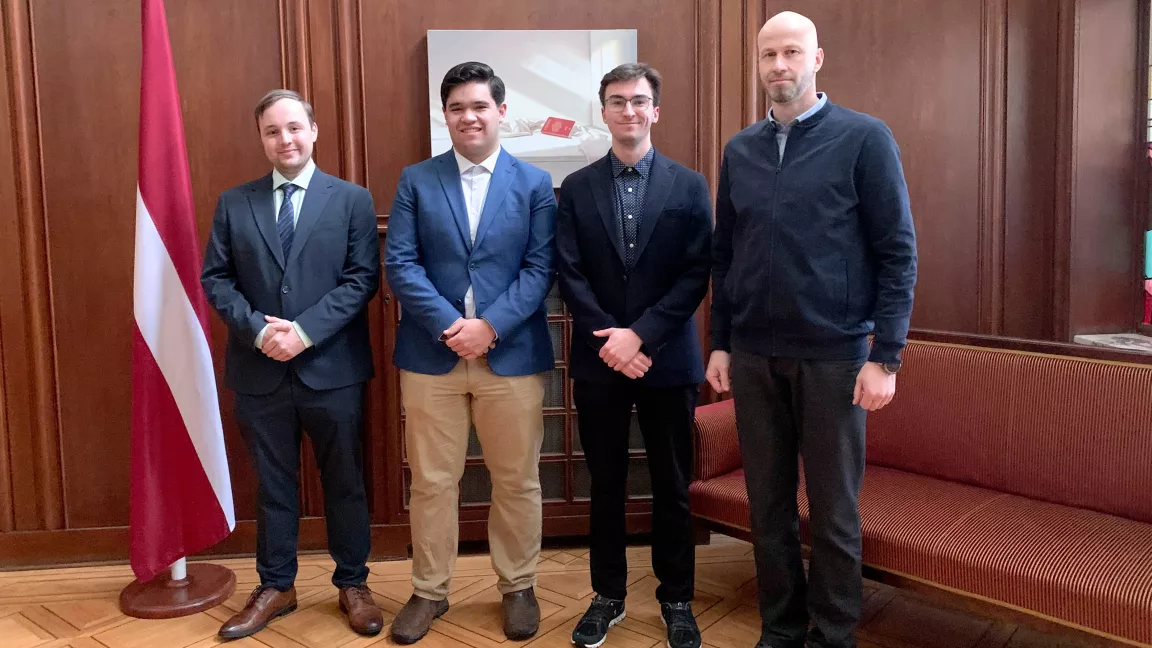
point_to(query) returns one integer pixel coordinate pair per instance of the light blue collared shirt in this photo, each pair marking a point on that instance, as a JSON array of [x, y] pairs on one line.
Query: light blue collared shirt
[[782, 133]]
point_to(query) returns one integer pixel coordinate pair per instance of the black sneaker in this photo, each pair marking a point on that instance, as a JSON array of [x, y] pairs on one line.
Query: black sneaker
[[601, 615], [682, 630]]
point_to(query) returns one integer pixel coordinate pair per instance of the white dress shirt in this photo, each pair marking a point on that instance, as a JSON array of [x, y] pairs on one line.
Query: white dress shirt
[[278, 181], [474, 181]]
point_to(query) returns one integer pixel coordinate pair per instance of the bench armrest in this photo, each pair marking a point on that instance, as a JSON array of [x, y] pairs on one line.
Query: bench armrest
[[716, 444]]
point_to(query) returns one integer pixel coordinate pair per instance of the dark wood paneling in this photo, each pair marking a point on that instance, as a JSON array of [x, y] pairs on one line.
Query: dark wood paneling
[[1065, 191], [925, 83], [10, 275], [396, 68], [1030, 168], [90, 204], [1104, 230], [1022, 185], [89, 181], [990, 289], [34, 445], [384, 465]]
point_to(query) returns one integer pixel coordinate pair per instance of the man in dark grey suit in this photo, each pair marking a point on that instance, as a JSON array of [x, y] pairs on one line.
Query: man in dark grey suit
[[292, 262]]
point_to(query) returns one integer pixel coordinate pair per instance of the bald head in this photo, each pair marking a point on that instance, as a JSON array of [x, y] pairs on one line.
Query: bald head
[[788, 57], [789, 25]]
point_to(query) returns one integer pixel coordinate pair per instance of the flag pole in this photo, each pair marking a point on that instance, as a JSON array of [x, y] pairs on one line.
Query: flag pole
[[179, 570]]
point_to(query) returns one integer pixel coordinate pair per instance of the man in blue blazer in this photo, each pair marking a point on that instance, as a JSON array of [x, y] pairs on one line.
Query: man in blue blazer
[[470, 256], [634, 233], [292, 262]]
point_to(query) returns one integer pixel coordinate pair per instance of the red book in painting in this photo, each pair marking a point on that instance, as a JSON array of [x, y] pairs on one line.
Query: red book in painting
[[558, 127]]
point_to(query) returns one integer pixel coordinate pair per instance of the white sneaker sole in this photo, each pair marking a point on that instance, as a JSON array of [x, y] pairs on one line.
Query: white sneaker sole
[[601, 642]]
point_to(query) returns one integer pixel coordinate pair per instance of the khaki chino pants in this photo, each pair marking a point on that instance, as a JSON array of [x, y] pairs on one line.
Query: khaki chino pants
[[507, 412]]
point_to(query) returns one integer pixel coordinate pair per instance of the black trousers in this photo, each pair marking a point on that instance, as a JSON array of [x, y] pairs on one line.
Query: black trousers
[[785, 407], [605, 415], [271, 425]]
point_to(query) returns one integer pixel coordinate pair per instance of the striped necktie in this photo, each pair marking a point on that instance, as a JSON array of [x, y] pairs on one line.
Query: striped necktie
[[285, 221]]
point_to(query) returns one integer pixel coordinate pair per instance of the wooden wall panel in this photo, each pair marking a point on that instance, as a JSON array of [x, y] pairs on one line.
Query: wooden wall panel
[[396, 68], [990, 220], [1021, 176], [10, 276], [89, 181], [1030, 168], [925, 83], [90, 203], [26, 317], [1108, 140]]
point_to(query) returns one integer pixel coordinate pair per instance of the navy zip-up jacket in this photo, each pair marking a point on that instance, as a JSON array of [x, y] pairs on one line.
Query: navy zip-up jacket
[[815, 251]]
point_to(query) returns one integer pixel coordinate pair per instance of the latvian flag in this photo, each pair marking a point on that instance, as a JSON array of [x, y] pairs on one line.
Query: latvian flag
[[181, 491]]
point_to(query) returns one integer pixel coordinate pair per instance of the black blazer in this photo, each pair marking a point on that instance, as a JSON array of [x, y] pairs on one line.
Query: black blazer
[[330, 275], [658, 296]]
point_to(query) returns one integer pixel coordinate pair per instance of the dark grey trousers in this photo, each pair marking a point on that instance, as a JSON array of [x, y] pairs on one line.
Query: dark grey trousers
[[786, 407]]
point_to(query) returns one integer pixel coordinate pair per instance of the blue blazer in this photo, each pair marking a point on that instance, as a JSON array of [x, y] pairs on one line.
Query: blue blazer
[[430, 261], [325, 284], [659, 294]]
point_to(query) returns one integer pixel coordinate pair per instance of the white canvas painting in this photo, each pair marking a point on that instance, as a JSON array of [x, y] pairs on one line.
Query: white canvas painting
[[547, 73]]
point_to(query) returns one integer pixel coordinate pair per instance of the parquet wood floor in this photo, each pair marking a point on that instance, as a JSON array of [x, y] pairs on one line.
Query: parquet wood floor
[[76, 608]]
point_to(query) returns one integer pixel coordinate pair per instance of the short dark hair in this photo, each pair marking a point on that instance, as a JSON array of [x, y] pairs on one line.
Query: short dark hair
[[471, 72], [631, 72], [276, 95]]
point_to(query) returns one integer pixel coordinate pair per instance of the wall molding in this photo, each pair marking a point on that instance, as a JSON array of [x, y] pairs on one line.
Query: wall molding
[[993, 116], [1066, 125], [33, 433]]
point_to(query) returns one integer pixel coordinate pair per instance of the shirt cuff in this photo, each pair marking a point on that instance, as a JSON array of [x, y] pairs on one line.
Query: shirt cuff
[[260, 337], [303, 336]]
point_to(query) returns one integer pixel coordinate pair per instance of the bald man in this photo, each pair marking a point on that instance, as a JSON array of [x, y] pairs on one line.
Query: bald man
[[813, 251]]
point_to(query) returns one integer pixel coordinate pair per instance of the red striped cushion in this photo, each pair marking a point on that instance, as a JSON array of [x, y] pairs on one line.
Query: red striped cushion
[[717, 445], [1063, 430], [1082, 567], [1087, 568], [902, 515], [721, 499]]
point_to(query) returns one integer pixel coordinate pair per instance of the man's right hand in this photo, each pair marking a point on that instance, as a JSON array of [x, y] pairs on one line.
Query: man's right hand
[[717, 374], [637, 366]]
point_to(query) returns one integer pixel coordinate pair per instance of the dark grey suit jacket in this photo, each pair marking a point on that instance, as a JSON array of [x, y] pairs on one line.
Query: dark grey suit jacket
[[325, 284]]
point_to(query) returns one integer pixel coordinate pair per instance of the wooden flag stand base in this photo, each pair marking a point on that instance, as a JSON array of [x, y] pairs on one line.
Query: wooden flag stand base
[[203, 586]]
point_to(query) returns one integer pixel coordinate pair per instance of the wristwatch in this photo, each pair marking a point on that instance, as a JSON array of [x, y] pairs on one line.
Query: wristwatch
[[893, 366]]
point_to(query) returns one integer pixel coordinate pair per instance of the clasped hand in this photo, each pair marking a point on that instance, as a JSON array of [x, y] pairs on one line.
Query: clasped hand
[[470, 338], [622, 352], [281, 341]]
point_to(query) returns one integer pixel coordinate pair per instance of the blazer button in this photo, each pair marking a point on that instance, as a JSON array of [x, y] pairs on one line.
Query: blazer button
[[284, 290], [471, 266]]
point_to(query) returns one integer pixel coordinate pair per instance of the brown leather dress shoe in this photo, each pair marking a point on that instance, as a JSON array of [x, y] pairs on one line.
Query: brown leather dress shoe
[[265, 604], [521, 614], [363, 614], [415, 618]]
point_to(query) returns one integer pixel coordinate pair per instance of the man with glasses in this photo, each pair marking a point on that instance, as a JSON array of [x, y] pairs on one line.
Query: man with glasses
[[633, 235]]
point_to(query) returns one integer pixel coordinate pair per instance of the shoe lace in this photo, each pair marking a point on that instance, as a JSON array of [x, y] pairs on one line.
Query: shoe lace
[[679, 617], [255, 595], [600, 611], [360, 593]]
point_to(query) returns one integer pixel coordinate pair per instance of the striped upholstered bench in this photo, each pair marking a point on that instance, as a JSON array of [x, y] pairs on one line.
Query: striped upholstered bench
[[1015, 478]]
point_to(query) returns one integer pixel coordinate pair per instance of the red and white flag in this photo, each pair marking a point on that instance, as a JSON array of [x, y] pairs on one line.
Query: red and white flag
[[181, 491]]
